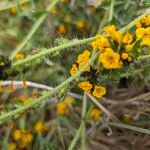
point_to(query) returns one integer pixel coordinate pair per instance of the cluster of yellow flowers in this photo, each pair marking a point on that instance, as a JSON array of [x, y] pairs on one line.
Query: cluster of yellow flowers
[[115, 51], [81, 61], [23, 138], [62, 108], [97, 90]]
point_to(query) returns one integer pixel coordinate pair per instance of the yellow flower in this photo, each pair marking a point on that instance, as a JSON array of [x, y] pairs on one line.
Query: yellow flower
[[24, 137], [99, 91], [62, 29], [41, 127], [146, 40], [69, 100], [80, 24], [2, 64], [13, 10], [127, 38], [38, 127], [67, 18], [74, 69], [127, 118], [138, 24], [19, 56], [144, 22], [110, 59], [140, 32], [144, 35], [129, 58], [100, 43], [25, 100], [53, 10], [84, 57], [115, 35], [129, 47], [62, 108], [110, 29], [95, 114], [124, 56], [85, 85], [12, 146], [17, 135], [147, 21], [27, 137], [26, 7]]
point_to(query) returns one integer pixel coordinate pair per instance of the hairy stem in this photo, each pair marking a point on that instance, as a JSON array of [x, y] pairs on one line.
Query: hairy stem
[[50, 93], [52, 50]]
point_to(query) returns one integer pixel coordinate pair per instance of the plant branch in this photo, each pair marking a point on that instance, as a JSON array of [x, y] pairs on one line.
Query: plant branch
[[52, 50], [133, 128], [101, 107], [34, 102]]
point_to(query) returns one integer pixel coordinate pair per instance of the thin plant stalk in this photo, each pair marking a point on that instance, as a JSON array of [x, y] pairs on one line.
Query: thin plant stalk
[[133, 128]]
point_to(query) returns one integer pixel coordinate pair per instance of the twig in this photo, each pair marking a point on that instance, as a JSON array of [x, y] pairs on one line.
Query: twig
[[81, 128], [133, 128], [99, 105], [19, 84]]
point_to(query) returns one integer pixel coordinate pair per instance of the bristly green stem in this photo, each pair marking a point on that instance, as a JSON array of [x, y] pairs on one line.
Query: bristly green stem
[[52, 50], [136, 71], [52, 92], [33, 29], [143, 57]]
